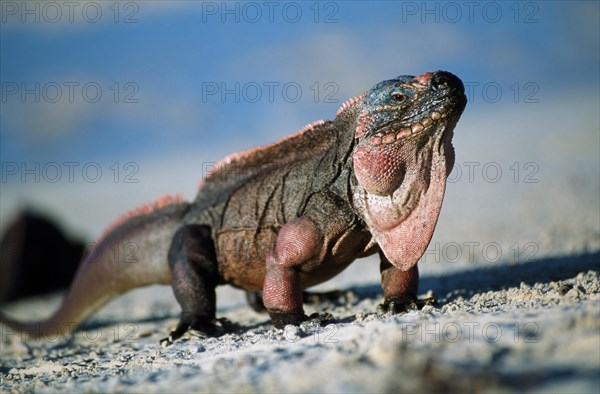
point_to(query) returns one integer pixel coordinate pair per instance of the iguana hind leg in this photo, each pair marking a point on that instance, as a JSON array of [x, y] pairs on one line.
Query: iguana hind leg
[[255, 300], [195, 276]]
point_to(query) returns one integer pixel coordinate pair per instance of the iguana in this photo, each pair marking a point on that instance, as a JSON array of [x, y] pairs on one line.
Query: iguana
[[281, 218]]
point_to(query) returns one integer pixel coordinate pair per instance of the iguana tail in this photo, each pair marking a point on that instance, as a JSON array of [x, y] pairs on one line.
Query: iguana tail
[[131, 253]]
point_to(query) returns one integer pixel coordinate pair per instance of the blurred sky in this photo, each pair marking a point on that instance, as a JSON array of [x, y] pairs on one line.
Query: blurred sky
[[532, 69]]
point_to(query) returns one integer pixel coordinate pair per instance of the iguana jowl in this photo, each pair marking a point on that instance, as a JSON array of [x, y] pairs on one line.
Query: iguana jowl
[[284, 217]]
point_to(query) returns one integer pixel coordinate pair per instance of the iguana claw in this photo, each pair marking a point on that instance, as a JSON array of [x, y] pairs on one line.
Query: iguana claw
[[199, 327], [403, 304]]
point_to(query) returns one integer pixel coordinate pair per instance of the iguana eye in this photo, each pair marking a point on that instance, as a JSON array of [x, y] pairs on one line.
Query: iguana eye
[[399, 97]]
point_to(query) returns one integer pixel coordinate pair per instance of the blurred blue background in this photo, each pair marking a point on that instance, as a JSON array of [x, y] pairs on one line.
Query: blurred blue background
[[182, 84]]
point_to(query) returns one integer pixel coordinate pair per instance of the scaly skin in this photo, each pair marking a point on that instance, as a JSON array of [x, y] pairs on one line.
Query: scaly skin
[[285, 217]]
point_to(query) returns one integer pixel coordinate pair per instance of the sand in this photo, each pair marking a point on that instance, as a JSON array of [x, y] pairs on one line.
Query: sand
[[526, 327]]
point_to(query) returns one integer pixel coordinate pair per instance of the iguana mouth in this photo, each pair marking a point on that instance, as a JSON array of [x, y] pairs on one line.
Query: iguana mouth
[[391, 134]]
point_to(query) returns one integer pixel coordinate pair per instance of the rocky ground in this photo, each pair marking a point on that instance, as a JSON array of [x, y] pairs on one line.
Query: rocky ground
[[528, 327]]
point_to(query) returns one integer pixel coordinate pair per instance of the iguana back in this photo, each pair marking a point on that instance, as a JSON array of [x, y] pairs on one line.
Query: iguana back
[[237, 169]]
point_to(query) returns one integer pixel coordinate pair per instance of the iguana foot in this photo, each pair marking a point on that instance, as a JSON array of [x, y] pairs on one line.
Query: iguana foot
[[404, 304], [323, 319], [201, 327], [280, 320]]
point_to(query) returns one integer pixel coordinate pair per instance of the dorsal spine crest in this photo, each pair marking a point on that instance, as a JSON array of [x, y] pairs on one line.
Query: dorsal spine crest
[[350, 103], [142, 210]]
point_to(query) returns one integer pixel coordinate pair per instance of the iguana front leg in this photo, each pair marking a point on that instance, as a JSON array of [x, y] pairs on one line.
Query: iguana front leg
[[298, 245], [399, 287]]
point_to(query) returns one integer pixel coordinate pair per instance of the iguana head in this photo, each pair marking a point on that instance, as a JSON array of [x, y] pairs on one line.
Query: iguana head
[[396, 119]]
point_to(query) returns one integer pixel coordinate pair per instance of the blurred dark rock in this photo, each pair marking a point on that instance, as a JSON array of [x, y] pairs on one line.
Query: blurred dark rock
[[36, 257]]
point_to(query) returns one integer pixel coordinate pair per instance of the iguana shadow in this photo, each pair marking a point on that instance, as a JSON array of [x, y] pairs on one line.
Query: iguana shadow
[[493, 277]]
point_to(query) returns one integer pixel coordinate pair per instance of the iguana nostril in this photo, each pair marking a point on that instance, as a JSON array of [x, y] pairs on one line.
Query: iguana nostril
[[445, 80], [439, 81]]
